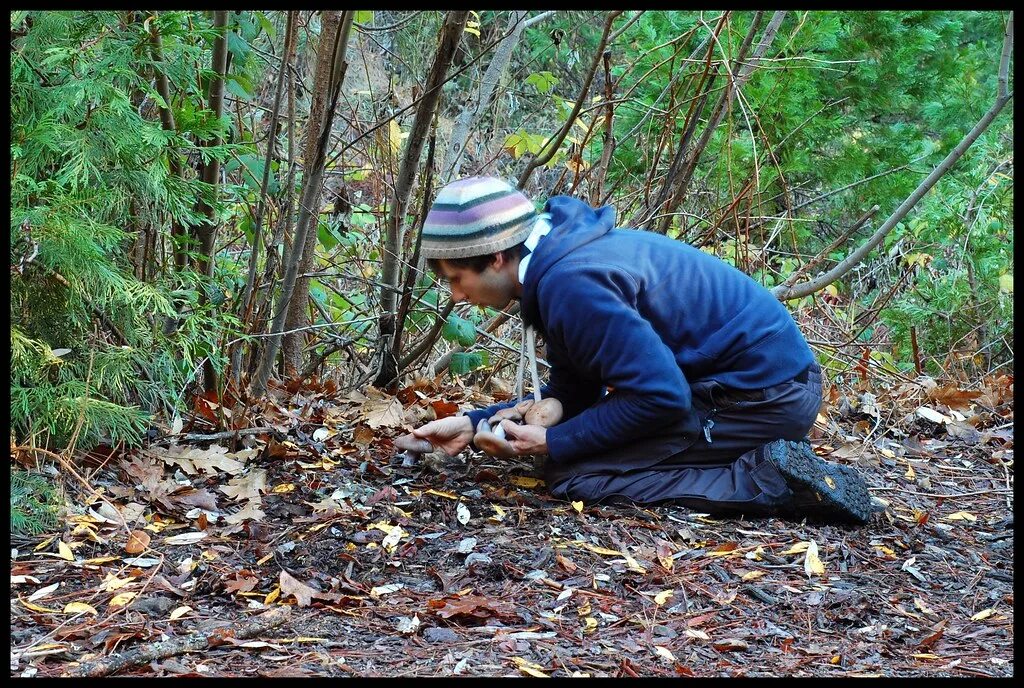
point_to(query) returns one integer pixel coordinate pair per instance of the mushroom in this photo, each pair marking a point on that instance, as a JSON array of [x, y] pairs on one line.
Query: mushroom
[[412, 447], [492, 440], [490, 435]]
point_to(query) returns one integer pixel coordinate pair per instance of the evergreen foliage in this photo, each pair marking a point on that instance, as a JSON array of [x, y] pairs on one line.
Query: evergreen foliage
[[35, 503]]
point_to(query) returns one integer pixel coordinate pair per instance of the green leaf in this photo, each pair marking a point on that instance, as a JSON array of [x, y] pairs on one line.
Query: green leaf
[[459, 330], [542, 81], [462, 362], [363, 17]]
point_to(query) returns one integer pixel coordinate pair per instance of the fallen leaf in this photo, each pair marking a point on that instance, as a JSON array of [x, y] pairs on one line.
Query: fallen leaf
[[983, 614], [730, 645], [36, 608], [462, 513], [525, 481], [960, 516], [292, 586], [250, 512], [664, 653], [813, 566], [122, 599], [248, 486], [798, 548], [530, 668], [578, 506], [43, 592], [179, 612], [381, 590], [663, 596], [185, 539], [694, 633], [80, 608], [64, 552]]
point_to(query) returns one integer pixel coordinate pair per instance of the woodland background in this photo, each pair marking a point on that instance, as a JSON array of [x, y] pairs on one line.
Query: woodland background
[[215, 214]]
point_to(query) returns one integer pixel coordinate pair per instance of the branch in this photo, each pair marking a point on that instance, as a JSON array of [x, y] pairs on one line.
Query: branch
[[556, 141], [190, 643]]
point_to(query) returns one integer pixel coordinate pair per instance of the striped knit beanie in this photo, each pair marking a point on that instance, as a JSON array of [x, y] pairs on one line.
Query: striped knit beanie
[[476, 216]]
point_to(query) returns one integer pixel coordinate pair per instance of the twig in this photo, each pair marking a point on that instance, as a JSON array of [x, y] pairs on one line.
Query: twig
[[225, 435], [191, 643]]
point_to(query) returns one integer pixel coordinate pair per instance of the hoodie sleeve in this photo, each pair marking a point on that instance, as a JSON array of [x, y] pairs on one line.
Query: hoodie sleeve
[[593, 314]]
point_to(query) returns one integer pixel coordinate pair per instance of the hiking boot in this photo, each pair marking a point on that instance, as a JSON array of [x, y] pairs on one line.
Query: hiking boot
[[821, 490]]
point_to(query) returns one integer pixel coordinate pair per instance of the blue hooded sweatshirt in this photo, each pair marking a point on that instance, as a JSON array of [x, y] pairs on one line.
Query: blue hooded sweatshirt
[[643, 316]]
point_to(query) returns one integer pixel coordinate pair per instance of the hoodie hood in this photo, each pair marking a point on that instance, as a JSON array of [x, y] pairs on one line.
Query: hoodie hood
[[573, 224]]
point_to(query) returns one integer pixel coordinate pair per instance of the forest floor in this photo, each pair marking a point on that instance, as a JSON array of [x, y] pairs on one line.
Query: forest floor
[[306, 549]]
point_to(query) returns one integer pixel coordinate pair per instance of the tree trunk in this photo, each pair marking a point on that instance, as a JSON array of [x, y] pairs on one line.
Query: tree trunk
[[451, 34], [319, 116], [456, 148], [248, 300], [206, 232], [311, 185]]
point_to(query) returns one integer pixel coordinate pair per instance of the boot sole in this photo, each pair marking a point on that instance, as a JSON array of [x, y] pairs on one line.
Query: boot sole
[[842, 493]]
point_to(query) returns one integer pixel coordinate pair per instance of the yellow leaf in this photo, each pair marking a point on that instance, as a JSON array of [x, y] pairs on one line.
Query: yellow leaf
[[447, 495], [112, 582], [64, 551], [578, 506], [596, 549], [272, 595], [925, 609], [798, 548], [525, 481], [632, 563], [664, 652], [122, 599], [812, 564], [983, 614], [1006, 283], [179, 612], [37, 608], [961, 516], [395, 136], [589, 624], [100, 560], [925, 655], [499, 513], [473, 30], [283, 487], [80, 607], [529, 667], [752, 575], [44, 543], [909, 475], [663, 596]]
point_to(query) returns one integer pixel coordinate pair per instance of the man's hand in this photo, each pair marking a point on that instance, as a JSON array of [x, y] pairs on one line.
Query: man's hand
[[452, 434], [526, 439]]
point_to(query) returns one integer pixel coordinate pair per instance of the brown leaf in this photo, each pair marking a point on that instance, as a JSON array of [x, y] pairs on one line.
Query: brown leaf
[[242, 583], [138, 541], [952, 397], [292, 586], [934, 636], [444, 409]]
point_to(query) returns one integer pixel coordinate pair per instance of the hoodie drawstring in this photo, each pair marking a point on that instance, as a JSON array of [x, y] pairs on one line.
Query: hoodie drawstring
[[528, 348]]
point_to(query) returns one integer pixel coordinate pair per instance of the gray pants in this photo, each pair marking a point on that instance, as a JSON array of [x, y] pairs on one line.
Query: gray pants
[[721, 471]]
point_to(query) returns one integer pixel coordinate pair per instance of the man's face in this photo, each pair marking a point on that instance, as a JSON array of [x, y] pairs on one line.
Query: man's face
[[492, 287]]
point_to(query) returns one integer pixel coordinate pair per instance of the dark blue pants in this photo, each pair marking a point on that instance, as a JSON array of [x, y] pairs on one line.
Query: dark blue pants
[[720, 471]]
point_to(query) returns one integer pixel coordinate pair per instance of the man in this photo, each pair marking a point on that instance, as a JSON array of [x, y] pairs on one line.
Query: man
[[681, 379]]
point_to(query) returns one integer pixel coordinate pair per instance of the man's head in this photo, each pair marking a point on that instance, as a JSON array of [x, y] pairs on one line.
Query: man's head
[[473, 238]]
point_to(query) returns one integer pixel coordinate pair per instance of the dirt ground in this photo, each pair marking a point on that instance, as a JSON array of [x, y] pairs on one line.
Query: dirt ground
[[466, 567]]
